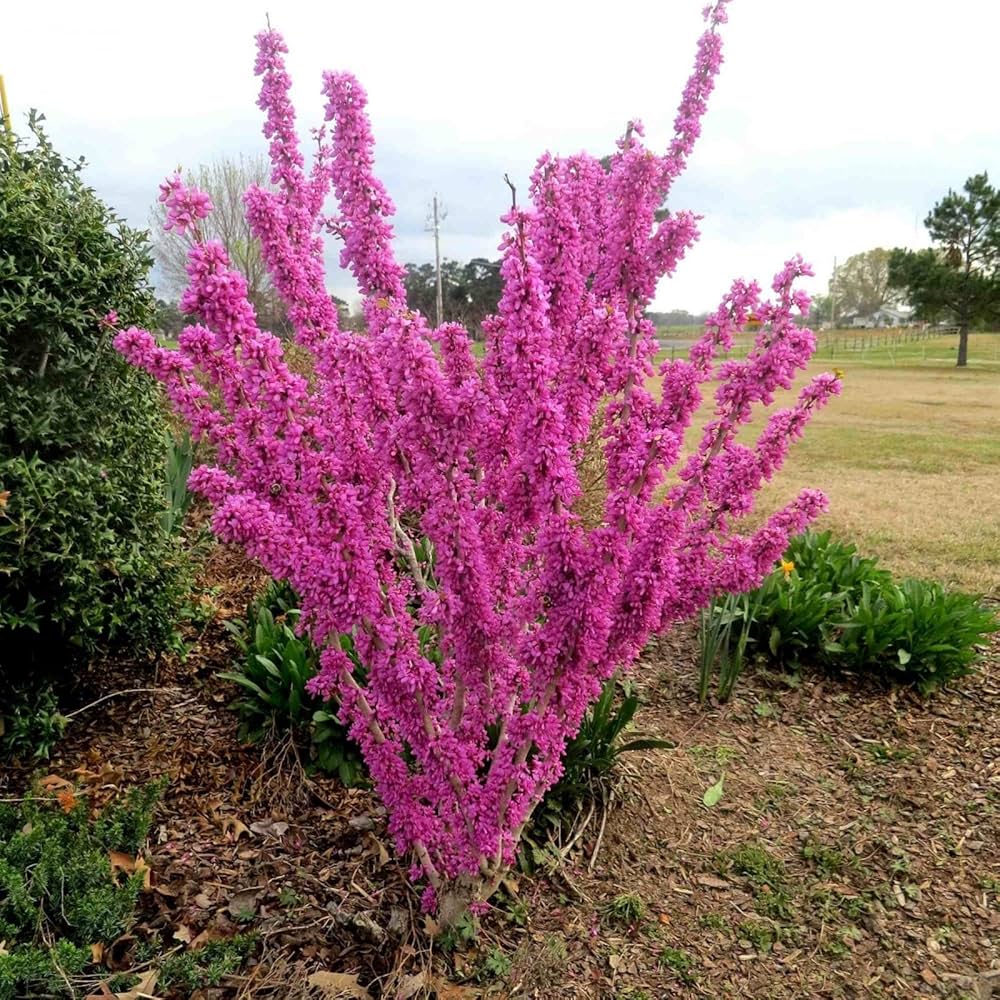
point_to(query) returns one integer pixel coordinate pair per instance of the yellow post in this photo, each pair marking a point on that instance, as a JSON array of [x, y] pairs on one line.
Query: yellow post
[[3, 104]]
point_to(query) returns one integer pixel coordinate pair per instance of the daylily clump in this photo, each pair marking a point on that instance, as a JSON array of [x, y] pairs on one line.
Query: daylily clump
[[422, 500]]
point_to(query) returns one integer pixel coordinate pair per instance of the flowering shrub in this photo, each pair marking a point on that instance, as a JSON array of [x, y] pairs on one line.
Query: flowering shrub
[[422, 501]]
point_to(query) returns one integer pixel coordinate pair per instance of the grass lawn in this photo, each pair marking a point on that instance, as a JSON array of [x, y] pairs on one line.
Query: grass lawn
[[909, 456]]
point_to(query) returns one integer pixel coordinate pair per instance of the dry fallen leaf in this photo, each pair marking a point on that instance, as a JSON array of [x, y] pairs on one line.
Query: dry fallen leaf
[[96, 952], [410, 986], [52, 782], [337, 985], [121, 862], [233, 829], [208, 934], [270, 828], [107, 776], [383, 854], [183, 934], [147, 872], [447, 991], [143, 990], [118, 954], [711, 882], [243, 905]]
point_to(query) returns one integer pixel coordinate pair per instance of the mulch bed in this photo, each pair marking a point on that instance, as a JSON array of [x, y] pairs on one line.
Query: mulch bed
[[873, 812]]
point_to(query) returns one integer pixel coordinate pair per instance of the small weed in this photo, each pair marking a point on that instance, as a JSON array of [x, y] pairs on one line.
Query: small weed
[[556, 948], [625, 911], [514, 910], [754, 862], [680, 962], [900, 864], [289, 898], [850, 766], [866, 791], [772, 800], [633, 994], [773, 903], [714, 921], [496, 965], [757, 934], [990, 884], [652, 929], [31, 724], [944, 935], [766, 875], [828, 861], [244, 914], [830, 906], [839, 944], [883, 753], [721, 754], [459, 935]]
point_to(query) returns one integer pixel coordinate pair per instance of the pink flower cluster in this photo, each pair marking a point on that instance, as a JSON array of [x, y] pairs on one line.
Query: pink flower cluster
[[424, 501], [186, 206]]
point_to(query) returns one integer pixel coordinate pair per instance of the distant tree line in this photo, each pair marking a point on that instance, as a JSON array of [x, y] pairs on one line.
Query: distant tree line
[[677, 317], [470, 292]]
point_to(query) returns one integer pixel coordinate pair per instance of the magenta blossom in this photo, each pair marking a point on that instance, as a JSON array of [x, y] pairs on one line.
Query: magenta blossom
[[186, 206]]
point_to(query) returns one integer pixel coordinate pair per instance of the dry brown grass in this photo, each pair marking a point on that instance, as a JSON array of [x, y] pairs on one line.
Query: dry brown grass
[[910, 459]]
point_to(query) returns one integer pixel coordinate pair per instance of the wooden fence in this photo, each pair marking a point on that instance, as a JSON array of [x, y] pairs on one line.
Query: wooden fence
[[840, 342], [830, 344]]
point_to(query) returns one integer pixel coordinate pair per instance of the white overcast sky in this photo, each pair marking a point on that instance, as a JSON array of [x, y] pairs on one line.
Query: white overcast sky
[[835, 125]]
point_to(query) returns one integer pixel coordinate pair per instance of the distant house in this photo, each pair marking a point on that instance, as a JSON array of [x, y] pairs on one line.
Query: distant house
[[887, 316]]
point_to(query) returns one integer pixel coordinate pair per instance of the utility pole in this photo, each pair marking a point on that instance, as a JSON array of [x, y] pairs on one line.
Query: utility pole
[[438, 215], [833, 297], [4, 107]]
